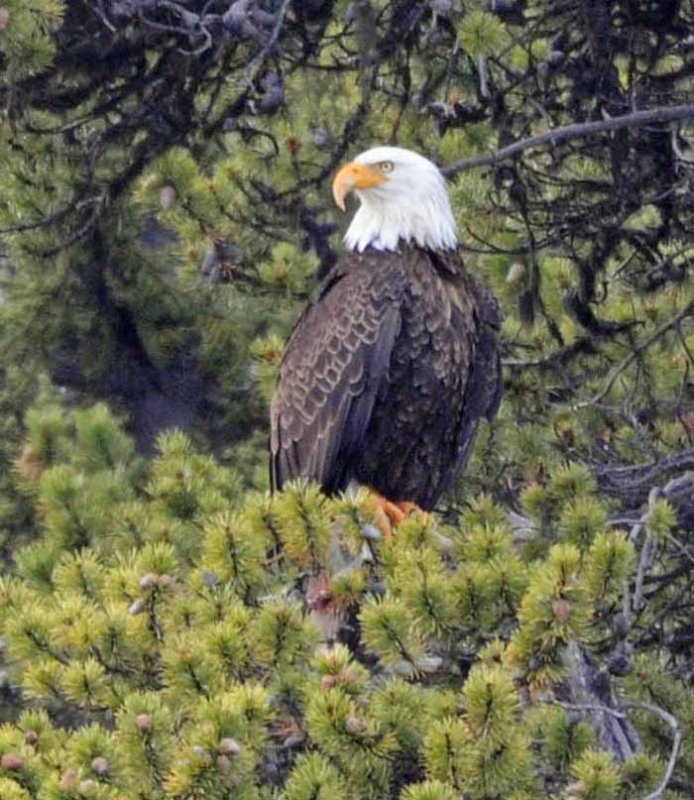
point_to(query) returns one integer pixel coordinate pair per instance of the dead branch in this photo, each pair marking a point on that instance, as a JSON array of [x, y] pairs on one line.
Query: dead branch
[[636, 352], [576, 131], [593, 708], [589, 687], [676, 741]]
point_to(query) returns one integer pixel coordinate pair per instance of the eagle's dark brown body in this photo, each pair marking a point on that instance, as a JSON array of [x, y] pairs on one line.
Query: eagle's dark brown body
[[386, 376]]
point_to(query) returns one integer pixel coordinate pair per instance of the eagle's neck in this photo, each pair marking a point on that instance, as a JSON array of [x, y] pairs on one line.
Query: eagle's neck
[[386, 219]]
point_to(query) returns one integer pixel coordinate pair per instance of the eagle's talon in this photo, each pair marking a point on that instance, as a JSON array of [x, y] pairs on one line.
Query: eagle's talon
[[391, 514]]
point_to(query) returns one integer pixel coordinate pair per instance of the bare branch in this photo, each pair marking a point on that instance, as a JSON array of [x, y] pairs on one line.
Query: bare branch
[[620, 715], [256, 64], [637, 478], [647, 551], [595, 707], [676, 741], [670, 491], [576, 131], [619, 369], [590, 687]]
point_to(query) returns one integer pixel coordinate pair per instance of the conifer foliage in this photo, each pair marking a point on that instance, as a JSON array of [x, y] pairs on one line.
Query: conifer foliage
[[188, 633]]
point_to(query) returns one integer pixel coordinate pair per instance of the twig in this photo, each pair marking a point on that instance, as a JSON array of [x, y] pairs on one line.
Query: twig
[[653, 709], [80, 232], [484, 80], [684, 550], [583, 345], [587, 707], [676, 741], [619, 369], [645, 558], [678, 150], [645, 561], [619, 480], [102, 16], [40, 223], [257, 62], [578, 130], [672, 488], [641, 523]]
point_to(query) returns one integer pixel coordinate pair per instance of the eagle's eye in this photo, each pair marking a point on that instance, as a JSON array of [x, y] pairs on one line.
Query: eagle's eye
[[385, 166]]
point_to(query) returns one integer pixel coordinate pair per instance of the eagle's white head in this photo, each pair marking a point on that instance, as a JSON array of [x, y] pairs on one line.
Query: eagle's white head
[[403, 198]]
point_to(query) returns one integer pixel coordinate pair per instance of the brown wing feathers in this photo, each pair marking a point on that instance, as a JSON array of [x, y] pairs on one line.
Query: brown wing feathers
[[333, 366]]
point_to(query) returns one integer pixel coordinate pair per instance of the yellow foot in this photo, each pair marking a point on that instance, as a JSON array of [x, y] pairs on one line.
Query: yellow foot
[[390, 514]]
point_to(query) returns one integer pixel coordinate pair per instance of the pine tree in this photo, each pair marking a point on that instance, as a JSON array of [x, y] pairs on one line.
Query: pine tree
[[168, 614]]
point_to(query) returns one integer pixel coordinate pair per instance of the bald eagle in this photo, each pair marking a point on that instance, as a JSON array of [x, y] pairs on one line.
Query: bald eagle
[[392, 365]]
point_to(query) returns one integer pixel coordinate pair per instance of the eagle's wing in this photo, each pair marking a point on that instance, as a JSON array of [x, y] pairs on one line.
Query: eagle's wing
[[335, 360], [483, 385]]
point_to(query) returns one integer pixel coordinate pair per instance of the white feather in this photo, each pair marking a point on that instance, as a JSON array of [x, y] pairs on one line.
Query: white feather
[[412, 206]]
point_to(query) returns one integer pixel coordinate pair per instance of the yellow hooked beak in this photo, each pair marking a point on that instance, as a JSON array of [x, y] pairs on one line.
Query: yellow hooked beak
[[355, 176]]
